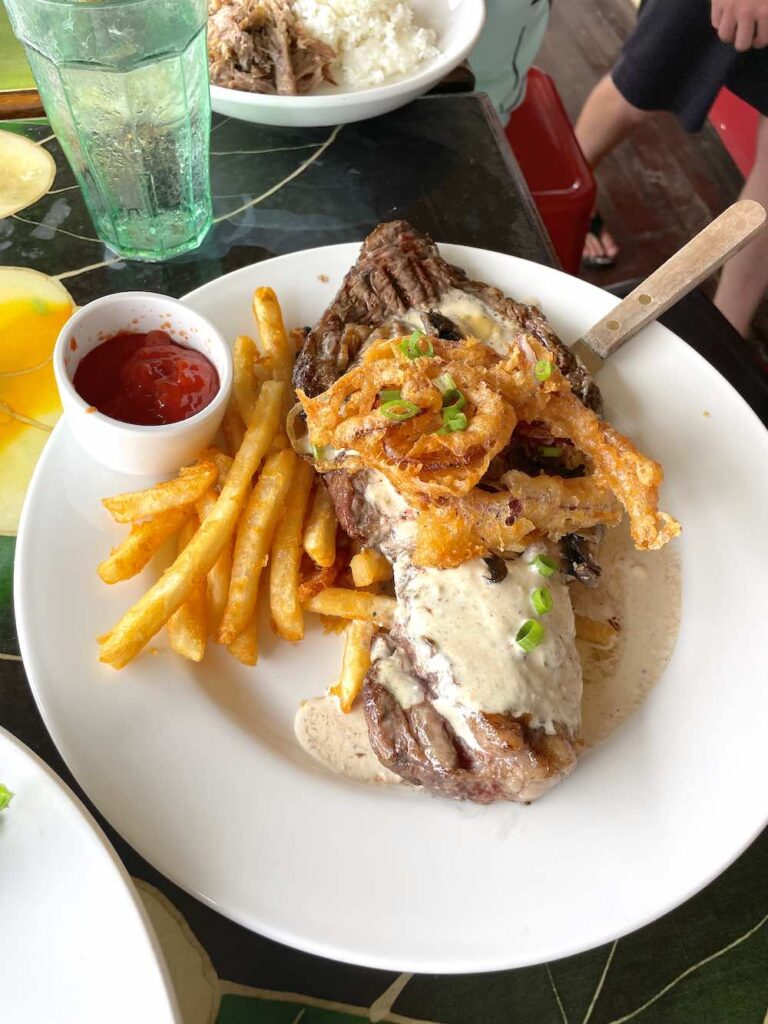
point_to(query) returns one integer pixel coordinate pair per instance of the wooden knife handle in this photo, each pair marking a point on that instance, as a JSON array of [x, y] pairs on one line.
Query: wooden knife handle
[[707, 251]]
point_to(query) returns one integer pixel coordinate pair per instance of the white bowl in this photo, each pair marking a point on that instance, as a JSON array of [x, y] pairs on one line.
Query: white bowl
[[127, 447], [457, 25]]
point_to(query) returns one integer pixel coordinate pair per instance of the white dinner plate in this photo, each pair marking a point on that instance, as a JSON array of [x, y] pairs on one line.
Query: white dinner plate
[[197, 766], [457, 25], [75, 942]]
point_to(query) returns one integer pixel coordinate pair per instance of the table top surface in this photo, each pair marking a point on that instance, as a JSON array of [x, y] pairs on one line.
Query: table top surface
[[443, 164]]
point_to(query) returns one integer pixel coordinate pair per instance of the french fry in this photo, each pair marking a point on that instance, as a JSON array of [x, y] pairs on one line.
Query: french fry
[[595, 631], [278, 350], [221, 461], [187, 626], [245, 646], [217, 583], [218, 589], [233, 428], [353, 604], [355, 664], [141, 544], [272, 333], [320, 531], [369, 566], [183, 490], [253, 540], [140, 623], [244, 356], [285, 559], [262, 370]]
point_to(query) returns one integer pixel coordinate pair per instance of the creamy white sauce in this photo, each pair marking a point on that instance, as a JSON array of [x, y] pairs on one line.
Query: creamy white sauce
[[463, 629], [473, 318], [394, 675], [340, 741], [641, 591], [382, 494], [398, 532], [458, 717]]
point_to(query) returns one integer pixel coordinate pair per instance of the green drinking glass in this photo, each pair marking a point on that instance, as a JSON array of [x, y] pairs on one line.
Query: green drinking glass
[[125, 87]]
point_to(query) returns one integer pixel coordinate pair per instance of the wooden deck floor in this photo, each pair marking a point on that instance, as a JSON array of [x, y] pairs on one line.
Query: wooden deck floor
[[662, 185]]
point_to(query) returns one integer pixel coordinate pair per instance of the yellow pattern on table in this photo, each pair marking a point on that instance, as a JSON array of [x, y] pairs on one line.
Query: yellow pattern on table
[[33, 309]]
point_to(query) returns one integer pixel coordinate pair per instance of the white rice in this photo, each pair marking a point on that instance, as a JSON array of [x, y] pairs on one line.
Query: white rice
[[375, 40]]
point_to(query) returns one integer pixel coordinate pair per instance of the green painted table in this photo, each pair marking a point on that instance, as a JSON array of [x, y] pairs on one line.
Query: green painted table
[[279, 190]]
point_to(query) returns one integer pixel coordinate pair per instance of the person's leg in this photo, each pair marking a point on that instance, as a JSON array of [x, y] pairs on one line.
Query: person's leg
[[744, 279], [606, 120]]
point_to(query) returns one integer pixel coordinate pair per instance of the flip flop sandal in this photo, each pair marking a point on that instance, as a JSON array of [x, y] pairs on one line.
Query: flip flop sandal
[[602, 261]]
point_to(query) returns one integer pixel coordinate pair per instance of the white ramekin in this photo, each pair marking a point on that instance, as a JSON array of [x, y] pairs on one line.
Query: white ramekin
[[126, 447]]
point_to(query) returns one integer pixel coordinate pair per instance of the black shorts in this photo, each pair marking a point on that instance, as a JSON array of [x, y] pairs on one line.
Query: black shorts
[[674, 61]]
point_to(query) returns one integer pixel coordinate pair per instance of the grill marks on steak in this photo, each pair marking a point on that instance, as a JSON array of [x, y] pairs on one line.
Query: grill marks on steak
[[506, 760], [400, 269]]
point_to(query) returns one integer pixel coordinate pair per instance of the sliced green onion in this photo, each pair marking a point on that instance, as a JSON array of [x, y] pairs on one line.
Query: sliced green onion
[[453, 420], [542, 370], [550, 450], [399, 410], [541, 599], [5, 796], [323, 452], [544, 565], [530, 635], [390, 396], [415, 348], [445, 382], [452, 395], [454, 399]]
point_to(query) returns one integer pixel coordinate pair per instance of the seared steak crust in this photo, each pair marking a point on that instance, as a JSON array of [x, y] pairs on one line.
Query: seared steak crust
[[507, 760], [400, 269]]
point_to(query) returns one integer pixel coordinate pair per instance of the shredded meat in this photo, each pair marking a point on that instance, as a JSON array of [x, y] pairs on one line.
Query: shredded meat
[[261, 46]]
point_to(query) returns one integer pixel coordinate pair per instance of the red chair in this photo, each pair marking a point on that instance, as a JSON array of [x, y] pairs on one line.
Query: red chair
[[736, 123], [560, 179]]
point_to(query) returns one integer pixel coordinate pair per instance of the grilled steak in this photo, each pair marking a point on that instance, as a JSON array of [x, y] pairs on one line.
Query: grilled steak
[[450, 703], [401, 274], [416, 695], [505, 759]]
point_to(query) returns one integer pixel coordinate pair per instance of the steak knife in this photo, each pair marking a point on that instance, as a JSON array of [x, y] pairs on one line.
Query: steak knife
[[705, 253]]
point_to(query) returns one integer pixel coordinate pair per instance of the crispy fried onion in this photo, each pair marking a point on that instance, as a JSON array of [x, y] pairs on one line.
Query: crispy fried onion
[[617, 464], [456, 529], [419, 461], [439, 473]]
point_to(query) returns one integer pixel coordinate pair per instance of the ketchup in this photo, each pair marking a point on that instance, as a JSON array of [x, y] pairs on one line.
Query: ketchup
[[148, 379]]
